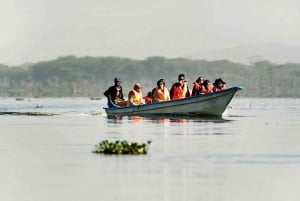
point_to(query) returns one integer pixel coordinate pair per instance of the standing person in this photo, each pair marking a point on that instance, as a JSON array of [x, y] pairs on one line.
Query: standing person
[[161, 93], [198, 85], [135, 95], [115, 93], [184, 87]]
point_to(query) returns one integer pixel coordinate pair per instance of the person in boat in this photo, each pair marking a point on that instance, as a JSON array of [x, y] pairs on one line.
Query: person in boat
[[207, 87], [218, 85], [115, 93], [177, 91], [153, 90], [161, 93], [135, 95], [198, 85], [184, 87], [148, 98]]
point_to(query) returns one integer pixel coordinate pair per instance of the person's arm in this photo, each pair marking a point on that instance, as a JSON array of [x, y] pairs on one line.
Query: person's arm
[[194, 90], [167, 94], [188, 93], [154, 95], [171, 91], [108, 92], [159, 95], [121, 94], [130, 99]]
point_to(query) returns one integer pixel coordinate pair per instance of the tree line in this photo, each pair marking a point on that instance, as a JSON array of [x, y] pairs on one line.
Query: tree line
[[72, 76]]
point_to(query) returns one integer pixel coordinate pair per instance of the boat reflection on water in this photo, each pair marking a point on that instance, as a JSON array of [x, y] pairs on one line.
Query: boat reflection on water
[[165, 119], [120, 119], [185, 119], [135, 118]]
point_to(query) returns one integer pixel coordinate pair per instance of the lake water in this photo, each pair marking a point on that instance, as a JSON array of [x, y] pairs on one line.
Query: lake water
[[252, 153]]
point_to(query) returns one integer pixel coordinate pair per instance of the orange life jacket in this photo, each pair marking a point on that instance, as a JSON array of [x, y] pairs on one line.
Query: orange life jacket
[[208, 90], [137, 97], [161, 95], [215, 89], [196, 89]]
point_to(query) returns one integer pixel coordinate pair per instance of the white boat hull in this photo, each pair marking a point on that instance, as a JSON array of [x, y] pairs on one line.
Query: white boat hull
[[213, 104]]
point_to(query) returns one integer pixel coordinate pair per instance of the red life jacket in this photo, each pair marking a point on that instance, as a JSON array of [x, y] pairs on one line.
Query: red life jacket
[[147, 99], [197, 89], [177, 92]]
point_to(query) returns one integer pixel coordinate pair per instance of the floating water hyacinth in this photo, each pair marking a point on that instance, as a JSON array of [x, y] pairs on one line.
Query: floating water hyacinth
[[95, 98], [121, 147]]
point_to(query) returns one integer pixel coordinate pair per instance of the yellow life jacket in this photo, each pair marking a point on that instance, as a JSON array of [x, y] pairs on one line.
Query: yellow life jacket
[[137, 97], [184, 90]]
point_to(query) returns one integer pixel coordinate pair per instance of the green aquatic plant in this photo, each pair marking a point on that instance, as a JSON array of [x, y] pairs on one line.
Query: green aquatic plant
[[121, 147], [95, 98]]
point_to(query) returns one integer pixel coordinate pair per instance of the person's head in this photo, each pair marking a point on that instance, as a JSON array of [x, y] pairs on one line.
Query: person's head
[[117, 81], [222, 81], [200, 80], [206, 83], [181, 77], [160, 83], [216, 83], [149, 94], [163, 80], [219, 83], [137, 87]]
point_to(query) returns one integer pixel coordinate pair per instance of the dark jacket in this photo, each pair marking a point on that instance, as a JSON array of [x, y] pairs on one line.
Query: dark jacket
[[112, 91]]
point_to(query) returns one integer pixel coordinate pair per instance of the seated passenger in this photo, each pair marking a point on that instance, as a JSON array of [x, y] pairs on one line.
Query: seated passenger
[[153, 90], [177, 91], [148, 98], [135, 95], [183, 85], [198, 85], [161, 93], [218, 85], [207, 87]]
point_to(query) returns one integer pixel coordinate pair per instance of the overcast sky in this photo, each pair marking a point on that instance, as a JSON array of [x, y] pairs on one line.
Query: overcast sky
[[36, 30]]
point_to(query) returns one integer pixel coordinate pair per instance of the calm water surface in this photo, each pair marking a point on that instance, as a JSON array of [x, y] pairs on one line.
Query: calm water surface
[[252, 153]]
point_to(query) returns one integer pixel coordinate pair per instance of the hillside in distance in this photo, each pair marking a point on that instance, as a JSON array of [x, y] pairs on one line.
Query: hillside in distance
[[275, 53], [71, 76]]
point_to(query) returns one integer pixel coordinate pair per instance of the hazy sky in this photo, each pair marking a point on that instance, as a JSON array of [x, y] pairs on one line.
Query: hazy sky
[[36, 30]]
